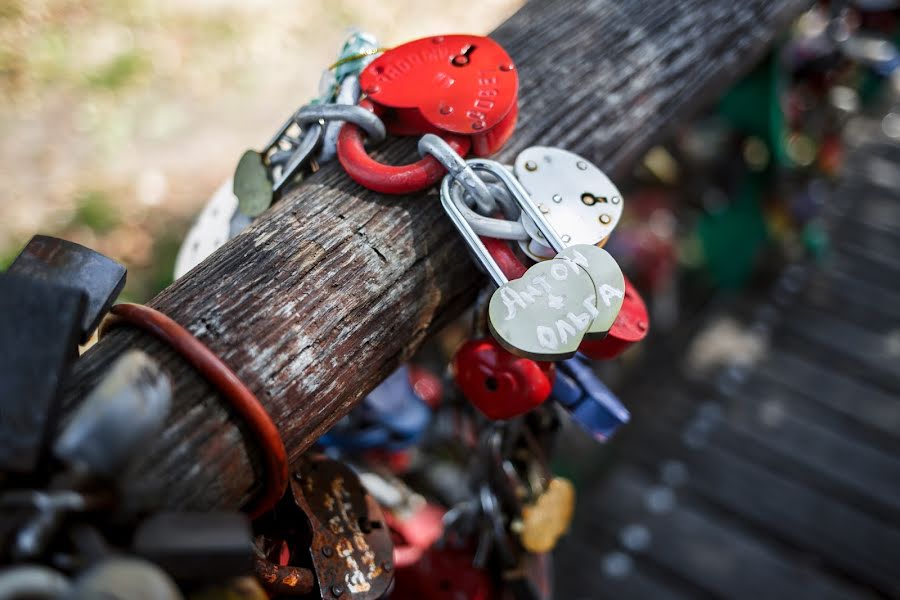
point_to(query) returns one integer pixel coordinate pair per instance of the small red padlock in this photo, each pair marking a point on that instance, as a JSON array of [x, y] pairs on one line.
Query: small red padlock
[[630, 327], [413, 535], [461, 87], [500, 384]]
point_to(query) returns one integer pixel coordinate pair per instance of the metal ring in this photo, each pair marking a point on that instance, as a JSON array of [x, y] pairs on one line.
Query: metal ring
[[216, 372], [431, 144], [487, 226], [359, 116], [390, 179], [347, 94]]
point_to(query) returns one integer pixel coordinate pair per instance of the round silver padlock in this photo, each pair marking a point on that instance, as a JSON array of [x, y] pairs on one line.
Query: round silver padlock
[[578, 200]]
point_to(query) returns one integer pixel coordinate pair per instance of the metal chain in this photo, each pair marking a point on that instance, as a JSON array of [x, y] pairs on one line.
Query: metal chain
[[350, 113], [459, 170]]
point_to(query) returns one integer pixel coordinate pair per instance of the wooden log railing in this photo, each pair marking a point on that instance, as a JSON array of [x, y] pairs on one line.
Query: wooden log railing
[[333, 288]]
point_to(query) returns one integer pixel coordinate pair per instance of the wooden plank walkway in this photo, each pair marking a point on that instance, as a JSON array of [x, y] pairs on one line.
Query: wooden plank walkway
[[779, 480]]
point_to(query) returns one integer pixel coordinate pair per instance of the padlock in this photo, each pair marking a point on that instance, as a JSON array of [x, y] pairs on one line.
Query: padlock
[[34, 582], [498, 383], [540, 505], [547, 517], [579, 243], [72, 265], [42, 323], [461, 87], [631, 326], [392, 417], [578, 200], [127, 409], [330, 526], [413, 534], [261, 176], [545, 314], [590, 403], [459, 84]]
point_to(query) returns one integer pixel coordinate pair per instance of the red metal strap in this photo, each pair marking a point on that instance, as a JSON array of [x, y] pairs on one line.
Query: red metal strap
[[224, 379], [391, 179]]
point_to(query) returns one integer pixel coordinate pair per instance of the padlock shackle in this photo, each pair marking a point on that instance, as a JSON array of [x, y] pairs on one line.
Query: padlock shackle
[[521, 197], [468, 234], [308, 145]]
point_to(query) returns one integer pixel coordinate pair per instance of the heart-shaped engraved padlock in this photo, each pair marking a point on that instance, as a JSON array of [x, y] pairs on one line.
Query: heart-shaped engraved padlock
[[460, 84], [608, 281], [545, 314], [578, 200]]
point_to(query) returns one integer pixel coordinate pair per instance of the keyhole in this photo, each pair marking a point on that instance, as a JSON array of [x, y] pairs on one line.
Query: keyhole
[[462, 59], [490, 383], [590, 199]]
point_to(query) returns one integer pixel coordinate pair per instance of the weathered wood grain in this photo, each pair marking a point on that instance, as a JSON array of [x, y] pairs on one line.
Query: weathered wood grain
[[327, 293]]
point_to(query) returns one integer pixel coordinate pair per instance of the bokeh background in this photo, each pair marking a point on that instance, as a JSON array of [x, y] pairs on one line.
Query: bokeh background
[[120, 118]]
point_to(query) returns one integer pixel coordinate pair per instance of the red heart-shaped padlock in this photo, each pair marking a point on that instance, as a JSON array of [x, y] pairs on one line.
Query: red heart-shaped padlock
[[500, 384], [459, 84], [630, 327]]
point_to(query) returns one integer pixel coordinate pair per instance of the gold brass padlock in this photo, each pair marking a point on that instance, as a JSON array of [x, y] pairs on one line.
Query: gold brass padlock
[[546, 519]]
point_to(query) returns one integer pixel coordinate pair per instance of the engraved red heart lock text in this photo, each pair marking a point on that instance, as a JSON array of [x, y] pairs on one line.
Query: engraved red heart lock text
[[461, 87], [498, 383]]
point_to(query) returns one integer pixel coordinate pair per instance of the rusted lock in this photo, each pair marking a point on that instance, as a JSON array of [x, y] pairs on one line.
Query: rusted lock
[[328, 531]]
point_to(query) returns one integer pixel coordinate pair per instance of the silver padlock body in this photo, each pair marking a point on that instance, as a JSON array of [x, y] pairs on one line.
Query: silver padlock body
[[578, 200]]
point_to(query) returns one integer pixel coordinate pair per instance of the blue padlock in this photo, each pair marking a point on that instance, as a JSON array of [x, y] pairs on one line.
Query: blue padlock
[[590, 403], [392, 417]]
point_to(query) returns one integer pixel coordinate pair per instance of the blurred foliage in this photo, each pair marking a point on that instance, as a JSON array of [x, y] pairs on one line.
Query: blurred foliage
[[94, 210], [120, 71]]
